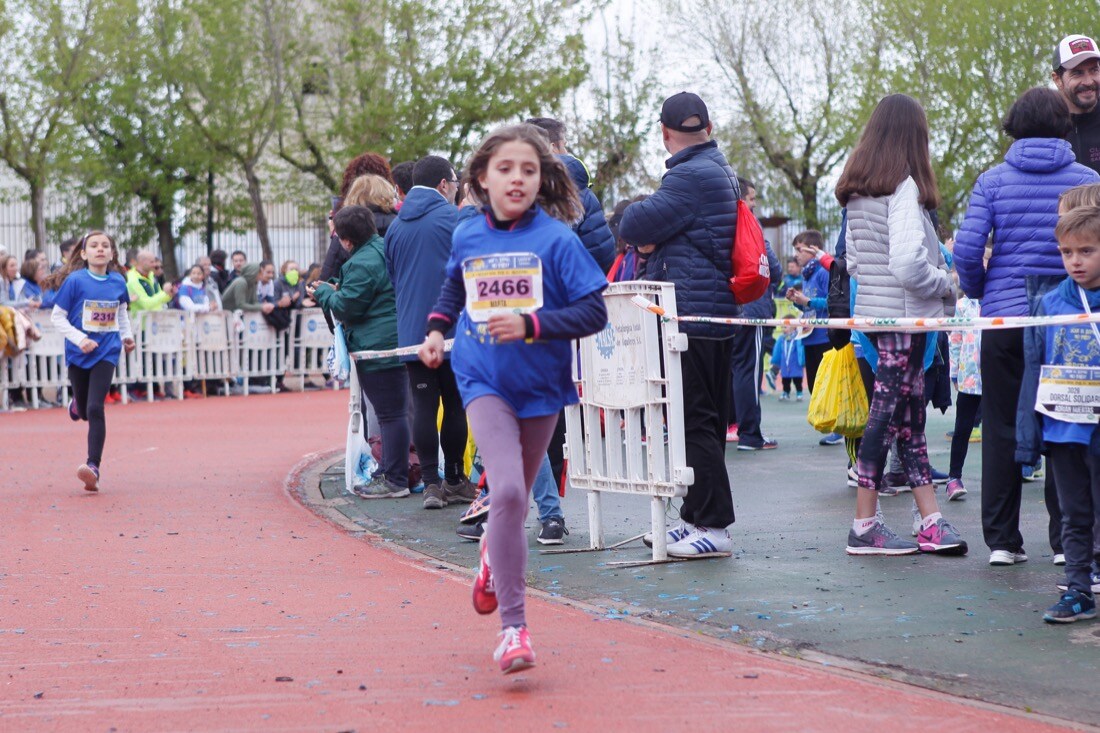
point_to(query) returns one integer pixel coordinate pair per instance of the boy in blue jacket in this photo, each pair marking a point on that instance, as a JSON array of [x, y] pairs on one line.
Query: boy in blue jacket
[[1062, 381]]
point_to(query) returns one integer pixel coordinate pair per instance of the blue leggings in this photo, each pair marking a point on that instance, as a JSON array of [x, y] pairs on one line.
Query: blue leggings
[[512, 449]]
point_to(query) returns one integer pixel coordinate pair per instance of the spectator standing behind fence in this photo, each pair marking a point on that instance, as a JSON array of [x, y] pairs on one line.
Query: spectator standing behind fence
[[1016, 202], [514, 369], [66, 250], [34, 273], [688, 225], [362, 165], [13, 286], [241, 295], [291, 283], [418, 246], [238, 259], [364, 303], [210, 282], [146, 294], [1050, 418], [893, 255], [91, 312], [790, 356], [192, 296], [218, 272]]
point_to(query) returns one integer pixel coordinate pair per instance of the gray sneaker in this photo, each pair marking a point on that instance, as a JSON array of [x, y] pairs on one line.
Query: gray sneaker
[[379, 488], [879, 540], [433, 497], [460, 492]]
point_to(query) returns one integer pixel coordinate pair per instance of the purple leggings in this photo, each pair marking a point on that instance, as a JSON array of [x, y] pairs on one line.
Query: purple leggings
[[512, 449]]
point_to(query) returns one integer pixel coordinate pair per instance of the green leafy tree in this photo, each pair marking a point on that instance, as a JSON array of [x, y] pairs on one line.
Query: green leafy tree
[[45, 54], [614, 116], [409, 77], [139, 143], [967, 62], [231, 71], [801, 76]]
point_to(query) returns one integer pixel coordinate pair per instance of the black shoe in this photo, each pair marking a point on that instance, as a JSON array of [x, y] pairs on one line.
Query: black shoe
[[553, 532], [471, 532]]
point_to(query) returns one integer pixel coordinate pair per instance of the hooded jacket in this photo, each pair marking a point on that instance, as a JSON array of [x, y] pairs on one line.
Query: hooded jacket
[[1085, 138], [241, 293], [593, 230], [418, 245], [691, 218], [1016, 201], [365, 304], [1061, 345], [146, 294]]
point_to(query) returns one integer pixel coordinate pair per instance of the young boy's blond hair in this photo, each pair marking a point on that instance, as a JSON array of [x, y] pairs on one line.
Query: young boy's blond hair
[[1081, 223], [1078, 196]]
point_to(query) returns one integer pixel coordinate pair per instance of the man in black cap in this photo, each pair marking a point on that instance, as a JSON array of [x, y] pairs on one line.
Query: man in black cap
[[1077, 76], [688, 226]]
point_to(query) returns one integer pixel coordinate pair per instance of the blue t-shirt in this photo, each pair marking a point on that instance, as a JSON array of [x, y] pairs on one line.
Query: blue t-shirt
[[197, 293], [92, 303], [534, 377]]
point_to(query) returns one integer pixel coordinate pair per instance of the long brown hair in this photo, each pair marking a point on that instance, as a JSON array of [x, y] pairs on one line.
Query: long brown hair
[[893, 146], [76, 262], [557, 193]]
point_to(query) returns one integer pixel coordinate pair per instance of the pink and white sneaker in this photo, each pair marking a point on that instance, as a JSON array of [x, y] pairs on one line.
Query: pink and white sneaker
[[485, 596], [514, 650]]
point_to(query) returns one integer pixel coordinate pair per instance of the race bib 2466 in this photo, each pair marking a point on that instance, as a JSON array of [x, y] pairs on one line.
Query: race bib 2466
[[502, 283]]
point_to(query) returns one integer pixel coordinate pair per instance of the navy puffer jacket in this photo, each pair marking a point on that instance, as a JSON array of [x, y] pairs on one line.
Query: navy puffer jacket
[[595, 235], [1018, 202], [691, 218]]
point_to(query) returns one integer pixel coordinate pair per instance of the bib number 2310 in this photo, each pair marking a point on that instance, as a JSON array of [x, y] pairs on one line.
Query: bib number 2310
[[503, 283]]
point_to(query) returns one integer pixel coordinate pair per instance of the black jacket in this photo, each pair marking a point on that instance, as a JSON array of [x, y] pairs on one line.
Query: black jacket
[[1085, 138]]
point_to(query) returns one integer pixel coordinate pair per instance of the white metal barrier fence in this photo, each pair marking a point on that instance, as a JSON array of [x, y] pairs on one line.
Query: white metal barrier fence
[[627, 433], [174, 347]]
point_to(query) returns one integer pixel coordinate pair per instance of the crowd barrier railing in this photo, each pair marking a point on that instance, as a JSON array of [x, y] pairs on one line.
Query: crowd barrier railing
[[173, 347]]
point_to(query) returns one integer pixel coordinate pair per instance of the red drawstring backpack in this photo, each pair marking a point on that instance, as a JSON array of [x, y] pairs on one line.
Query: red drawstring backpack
[[748, 259]]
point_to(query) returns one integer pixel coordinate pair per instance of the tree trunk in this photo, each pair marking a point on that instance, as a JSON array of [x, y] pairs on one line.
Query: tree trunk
[[808, 191], [38, 216], [255, 196], [162, 214]]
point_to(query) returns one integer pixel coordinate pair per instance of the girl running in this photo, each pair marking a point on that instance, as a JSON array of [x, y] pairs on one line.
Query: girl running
[[520, 285], [91, 312]]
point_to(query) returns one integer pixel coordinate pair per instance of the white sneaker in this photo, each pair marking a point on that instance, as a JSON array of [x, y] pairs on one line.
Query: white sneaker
[[1004, 557], [1059, 559], [853, 478], [674, 534], [917, 519], [703, 542]]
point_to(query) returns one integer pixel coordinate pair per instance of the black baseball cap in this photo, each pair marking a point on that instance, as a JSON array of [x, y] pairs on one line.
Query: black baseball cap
[[683, 106]]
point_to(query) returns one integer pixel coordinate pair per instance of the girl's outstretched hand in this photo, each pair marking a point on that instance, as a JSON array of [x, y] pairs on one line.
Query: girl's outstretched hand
[[507, 327], [431, 351]]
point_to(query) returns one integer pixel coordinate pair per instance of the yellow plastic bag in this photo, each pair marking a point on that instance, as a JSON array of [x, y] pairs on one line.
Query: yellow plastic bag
[[838, 403], [851, 417]]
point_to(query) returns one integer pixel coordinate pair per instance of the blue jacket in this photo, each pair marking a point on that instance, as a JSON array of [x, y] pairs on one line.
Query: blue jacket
[[691, 218], [815, 286], [595, 235], [418, 245], [1016, 201], [764, 306], [1070, 345], [790, 356]]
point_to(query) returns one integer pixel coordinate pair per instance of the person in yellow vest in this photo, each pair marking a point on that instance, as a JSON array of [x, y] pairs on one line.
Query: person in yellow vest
[[146, 294]]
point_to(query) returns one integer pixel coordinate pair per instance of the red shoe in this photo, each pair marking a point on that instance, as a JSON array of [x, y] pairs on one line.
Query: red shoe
[[731, 434], [111, 398], [189, 395], [514, 650], [485, 596]]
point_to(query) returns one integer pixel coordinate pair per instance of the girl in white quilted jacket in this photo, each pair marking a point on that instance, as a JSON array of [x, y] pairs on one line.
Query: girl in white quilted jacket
[[893, 254]]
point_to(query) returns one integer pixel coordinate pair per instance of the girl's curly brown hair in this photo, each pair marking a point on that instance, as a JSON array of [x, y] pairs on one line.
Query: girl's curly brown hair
[[557, 193]]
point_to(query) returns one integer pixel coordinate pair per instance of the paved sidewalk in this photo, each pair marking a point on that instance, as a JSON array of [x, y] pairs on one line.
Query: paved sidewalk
[[194, 593]]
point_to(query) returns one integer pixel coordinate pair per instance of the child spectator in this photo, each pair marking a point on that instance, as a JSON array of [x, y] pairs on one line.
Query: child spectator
[[966, 373], [1064, 421], [792, 278], [790, 356], [192, 296]]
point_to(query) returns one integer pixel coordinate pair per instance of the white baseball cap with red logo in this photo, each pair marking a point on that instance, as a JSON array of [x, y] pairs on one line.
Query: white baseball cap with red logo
[[1072, 50]]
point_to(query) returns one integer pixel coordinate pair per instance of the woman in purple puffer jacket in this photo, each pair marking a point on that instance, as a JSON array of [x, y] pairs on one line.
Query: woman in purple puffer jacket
[[1016, 202]]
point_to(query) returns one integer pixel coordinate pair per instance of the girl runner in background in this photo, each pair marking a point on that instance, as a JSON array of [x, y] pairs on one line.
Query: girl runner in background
[[525, 286], [91, 311]]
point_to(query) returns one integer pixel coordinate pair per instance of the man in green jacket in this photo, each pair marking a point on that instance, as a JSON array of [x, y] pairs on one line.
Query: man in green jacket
[[241, 293]]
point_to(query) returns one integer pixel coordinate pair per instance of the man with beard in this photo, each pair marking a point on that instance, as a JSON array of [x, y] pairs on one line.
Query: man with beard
[[1077, 76]]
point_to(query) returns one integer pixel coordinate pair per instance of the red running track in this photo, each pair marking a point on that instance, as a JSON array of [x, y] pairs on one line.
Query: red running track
[[193, 593]]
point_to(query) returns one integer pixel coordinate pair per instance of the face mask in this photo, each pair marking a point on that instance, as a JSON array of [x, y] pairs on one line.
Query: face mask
[[291, 277]]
